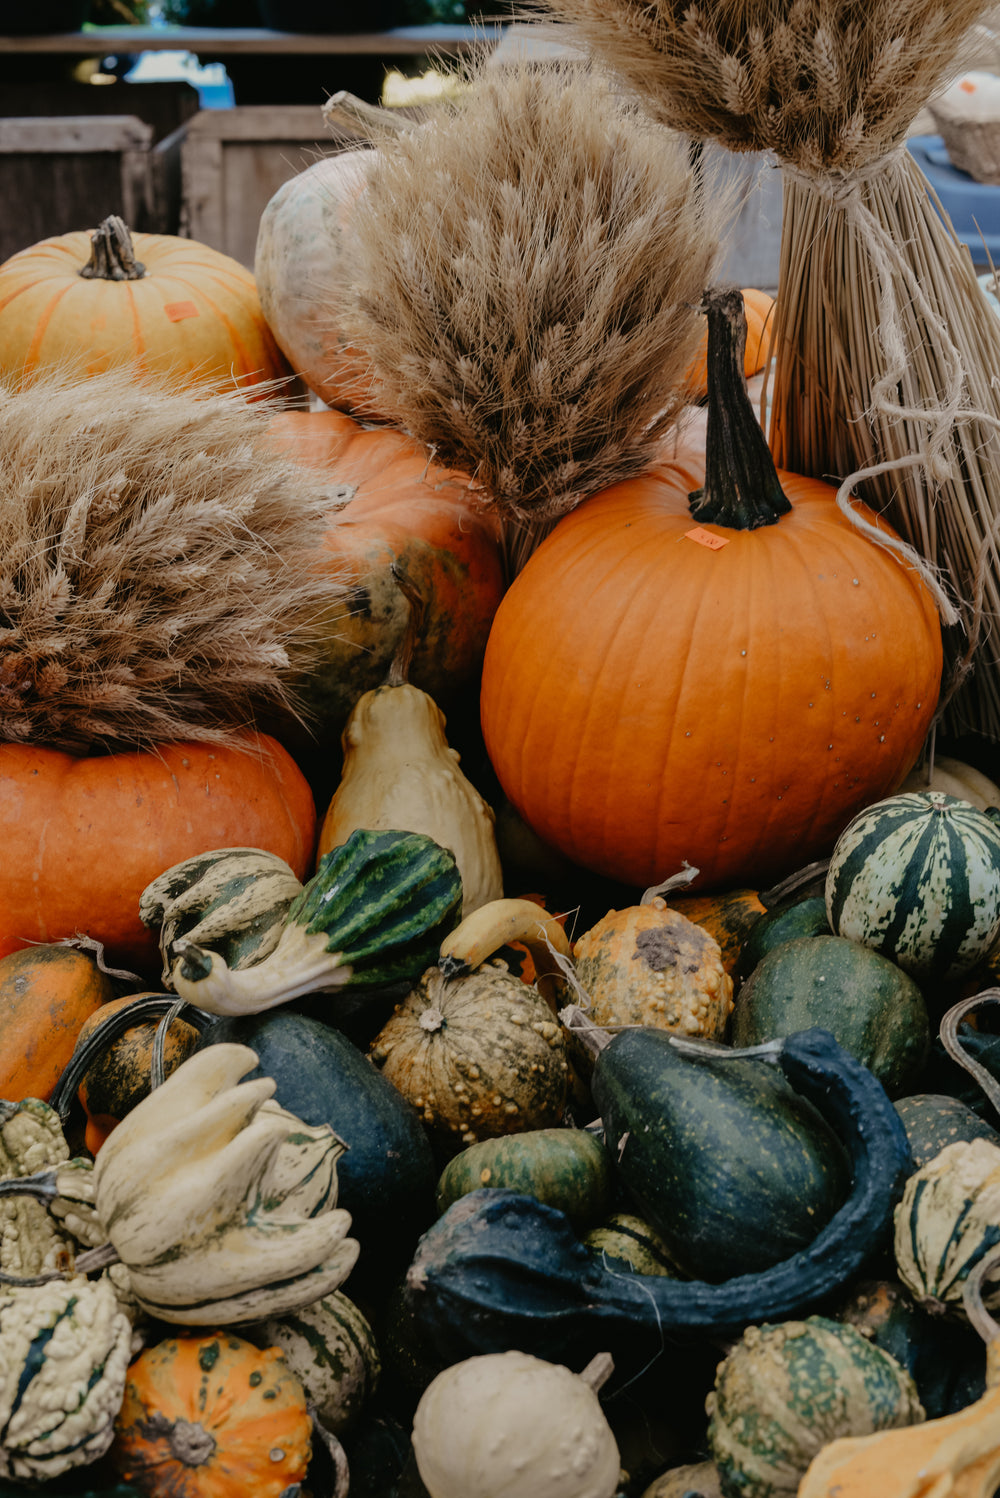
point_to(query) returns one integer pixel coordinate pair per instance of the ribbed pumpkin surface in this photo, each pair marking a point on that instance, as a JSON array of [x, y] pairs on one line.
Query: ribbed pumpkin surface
[[194, 314], [210, 1417], [917, 877]]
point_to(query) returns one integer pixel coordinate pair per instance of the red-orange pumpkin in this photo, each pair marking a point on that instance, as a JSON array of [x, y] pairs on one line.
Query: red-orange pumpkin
[[193, 314], [83, 837], [657, 689], [397, 507], [759, 308], [47, 994], [212, 1417]]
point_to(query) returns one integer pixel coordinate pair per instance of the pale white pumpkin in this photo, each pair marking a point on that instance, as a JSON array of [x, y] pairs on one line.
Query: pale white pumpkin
[[508, 1425], [299, 268], [954, 778]]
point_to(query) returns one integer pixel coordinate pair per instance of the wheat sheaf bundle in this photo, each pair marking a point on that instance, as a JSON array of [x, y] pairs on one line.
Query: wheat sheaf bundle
[[157, 566], [885, 346], [528, 264]]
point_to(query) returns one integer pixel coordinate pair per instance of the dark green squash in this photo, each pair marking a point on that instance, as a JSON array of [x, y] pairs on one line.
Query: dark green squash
[[501, 1270], [705, 1143], [565, 1167], [783, 922], [874, 1009], [933, 1120], [387, 1175]]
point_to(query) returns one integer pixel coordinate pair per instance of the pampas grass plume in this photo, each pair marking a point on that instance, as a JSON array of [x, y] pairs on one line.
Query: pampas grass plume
[[157, 565], [528, 264]]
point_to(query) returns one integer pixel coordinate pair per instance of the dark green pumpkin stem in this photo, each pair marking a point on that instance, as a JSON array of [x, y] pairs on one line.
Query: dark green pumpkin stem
[[742, 489], [112, 253]]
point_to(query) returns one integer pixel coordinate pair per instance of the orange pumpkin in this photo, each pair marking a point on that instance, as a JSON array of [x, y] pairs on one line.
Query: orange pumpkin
[[759, 308], [83, 837], [47, 993], [396, 507], [120, 1076], [212, 1417], [193, 314], [660, 686]]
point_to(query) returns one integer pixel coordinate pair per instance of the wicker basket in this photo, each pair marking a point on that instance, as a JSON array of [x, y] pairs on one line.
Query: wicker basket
[[972, 145]]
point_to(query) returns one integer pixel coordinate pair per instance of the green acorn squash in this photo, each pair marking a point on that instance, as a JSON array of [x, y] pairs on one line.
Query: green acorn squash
[[706, 1142], [784, 922], [933, 1120], [917, 877], [566, 1167], [875, 1010]]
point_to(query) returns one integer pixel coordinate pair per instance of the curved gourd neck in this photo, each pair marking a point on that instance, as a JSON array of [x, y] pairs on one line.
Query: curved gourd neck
[[742, 489]]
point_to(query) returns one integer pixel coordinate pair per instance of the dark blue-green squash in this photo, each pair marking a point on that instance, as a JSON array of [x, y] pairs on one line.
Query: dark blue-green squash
[[784, 922], [934, 1120], [568, 1168], [874, 1009], [705, 1142]]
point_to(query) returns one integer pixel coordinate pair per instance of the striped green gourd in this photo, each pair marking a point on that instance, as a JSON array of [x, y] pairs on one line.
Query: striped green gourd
[[917, 877], [330, 1347], [947, 1221], [374, 913]]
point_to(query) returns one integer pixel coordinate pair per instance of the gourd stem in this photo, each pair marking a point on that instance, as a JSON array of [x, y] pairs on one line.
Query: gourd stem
[[742, 489], [949, 1039], [112, 253], [157, 1068], [41, 1187], [362, 118], [795, 883], [338, 1455], [598, 1370], [399, 670], [972, 1297], [100, 1039], [676, 881]]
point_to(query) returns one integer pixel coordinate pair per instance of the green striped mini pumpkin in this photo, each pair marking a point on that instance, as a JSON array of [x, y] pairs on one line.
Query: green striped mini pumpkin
[[947, 1220], [917, 877]]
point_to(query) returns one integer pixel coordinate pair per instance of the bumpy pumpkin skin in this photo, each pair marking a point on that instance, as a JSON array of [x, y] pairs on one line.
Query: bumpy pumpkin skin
[[650, 965], [477, 1056], [47, 993], [210, 1417], [84, 837], [120, 1077], [195, 315], [394, 506], [649, 700]]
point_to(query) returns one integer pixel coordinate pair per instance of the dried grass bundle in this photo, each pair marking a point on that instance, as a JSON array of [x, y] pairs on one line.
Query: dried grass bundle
[[528, 266], [885, 346], [155, 556]]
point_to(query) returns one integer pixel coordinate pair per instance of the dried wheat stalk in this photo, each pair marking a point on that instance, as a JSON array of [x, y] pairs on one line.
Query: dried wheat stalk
[[528, 266], [157, 577], [885, 345]]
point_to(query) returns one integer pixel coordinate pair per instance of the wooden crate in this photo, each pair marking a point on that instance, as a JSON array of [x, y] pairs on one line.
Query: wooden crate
[[234, 160], [58, 175]]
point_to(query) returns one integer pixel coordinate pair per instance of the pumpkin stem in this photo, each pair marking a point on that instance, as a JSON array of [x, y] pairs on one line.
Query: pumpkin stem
[[112, 254], [362, 118], [399, 671], [742, 489]]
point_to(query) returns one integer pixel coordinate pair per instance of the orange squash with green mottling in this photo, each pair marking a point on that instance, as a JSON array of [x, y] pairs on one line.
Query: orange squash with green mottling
[[728, 917], [395, 507], [47, 993], [211, 1417]]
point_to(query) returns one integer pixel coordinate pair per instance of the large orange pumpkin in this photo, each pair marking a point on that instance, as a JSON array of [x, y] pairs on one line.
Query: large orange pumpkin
[[212, 1417], [48, 993], [727, 692], [396, 508], [192, 314], [83, 837]]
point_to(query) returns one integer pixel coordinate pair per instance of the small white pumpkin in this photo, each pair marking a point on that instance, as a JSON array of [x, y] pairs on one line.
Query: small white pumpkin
[[508, 1425]]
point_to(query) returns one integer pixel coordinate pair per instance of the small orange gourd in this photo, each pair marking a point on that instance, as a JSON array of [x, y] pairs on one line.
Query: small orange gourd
[[212, 1417], [47, 993]]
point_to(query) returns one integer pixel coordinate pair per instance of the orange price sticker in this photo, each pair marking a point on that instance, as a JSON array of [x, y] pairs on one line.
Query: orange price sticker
[[177, 311], [706, 538]]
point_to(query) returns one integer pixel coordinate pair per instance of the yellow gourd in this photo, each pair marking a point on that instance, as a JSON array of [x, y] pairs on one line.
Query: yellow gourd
[[957, 1456], [400, 773]]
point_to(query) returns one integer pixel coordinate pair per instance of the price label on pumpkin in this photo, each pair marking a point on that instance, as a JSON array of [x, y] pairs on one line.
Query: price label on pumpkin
[[178, 311], [706, 538]]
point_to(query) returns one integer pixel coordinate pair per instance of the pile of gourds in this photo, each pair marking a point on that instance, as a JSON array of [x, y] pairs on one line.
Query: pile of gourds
[[372, 1127]]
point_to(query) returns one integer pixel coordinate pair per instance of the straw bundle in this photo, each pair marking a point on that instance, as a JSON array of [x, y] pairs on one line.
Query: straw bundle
[[157, 577], [885, 345], [528, 264]]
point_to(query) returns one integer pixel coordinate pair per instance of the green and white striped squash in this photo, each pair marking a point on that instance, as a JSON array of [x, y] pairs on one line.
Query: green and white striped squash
[[65, 1347], [946, 1221], [917, 877], [627, 1242], [330, 1347], [786, 1390]]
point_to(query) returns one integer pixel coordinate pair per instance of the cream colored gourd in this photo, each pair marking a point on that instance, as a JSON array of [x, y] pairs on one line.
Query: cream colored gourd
[[946, 1221], [399, 772], [954, 778], [508, 1425]]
